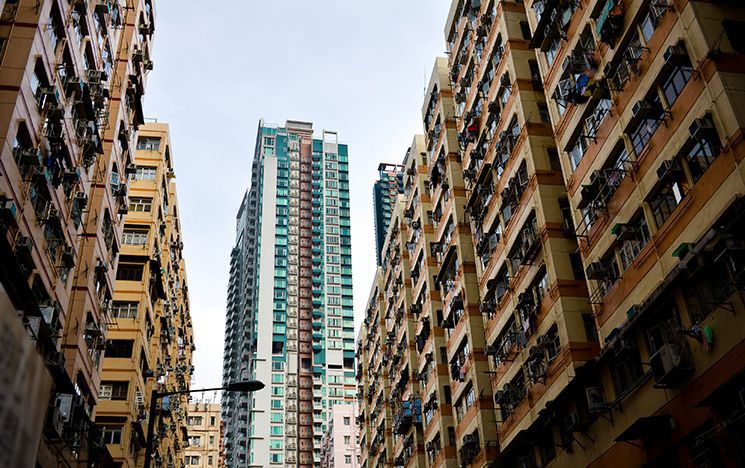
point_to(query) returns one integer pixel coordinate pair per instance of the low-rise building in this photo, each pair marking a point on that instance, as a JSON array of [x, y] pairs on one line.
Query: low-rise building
[[205, 449]]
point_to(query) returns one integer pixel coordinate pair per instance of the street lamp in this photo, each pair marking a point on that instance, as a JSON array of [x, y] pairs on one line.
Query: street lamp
[[244, 386]]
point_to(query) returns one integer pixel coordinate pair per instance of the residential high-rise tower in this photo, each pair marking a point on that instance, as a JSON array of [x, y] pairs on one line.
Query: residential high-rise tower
[[151, 343], [290, 321], [385, 190], [73, 75]]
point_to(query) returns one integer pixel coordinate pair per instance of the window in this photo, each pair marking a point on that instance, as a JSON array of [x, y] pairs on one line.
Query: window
[[347, 439], [626, 371], [275, 458], [275, 444], [652, 18], [553, 49], [140, 204], [195, 441], [676, 79], [129, 272], [643, 131], [148, 143], [213, 421], [212, 439], [116, 391], [276, 430], [124, 309], [210, 460], [145, 173], [577, 151], [134, 237], [347, 459], [630, 248], [119, 348], [111, 434], [347, 420], [668, 196], [552, 344], [194, 421], [700, 155]]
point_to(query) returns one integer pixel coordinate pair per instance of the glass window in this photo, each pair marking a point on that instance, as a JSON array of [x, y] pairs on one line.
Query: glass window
[[700, 155], [673, 85], [145, 173], [124, 309], [667, 197], [111, 434], [134, 237], [148, 143], [630, 248], [643, 132], [140, 204]]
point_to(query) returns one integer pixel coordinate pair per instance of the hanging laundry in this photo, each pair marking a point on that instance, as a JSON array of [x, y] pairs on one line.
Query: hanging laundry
[[708, 338]]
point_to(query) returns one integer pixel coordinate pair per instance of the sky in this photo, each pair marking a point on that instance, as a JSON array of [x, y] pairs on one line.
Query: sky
[[357, 67]]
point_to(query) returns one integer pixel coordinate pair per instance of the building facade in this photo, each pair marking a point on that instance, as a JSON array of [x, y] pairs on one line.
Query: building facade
[[385, 190], [580, 197], [73, 75], [290, 319], [205, 449], [151, 343], [339, 443]]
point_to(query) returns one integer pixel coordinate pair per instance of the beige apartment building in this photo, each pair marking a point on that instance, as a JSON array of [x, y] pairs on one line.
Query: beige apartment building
[[580, 194], [72, 77], [151, 345], [205, 449]]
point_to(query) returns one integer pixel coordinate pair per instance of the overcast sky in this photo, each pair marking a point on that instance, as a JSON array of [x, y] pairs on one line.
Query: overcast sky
[[357, 67]]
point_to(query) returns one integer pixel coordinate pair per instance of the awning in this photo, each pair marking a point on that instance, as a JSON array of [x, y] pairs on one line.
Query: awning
[[648, 428]]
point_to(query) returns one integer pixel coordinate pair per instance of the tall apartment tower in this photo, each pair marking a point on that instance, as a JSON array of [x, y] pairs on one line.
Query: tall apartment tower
[[385, 190], [73, 75], [536, 318], [605, 217], [150, 343], [647, 117], [290, 319]]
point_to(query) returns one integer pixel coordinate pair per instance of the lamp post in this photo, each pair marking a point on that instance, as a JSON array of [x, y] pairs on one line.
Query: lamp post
[[245, 386]]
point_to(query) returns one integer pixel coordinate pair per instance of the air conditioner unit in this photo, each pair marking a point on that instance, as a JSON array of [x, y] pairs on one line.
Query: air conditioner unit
[[8, 211], [64, 403], [676, 55], [572, 423], [24, 247], [56, 360], [703, 128], [55, 424], [595, 399], [624, 231], [68, 257], [646, 110], [623, 346], [596, 271], [668, 168], [81, 199], [668, 365]]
